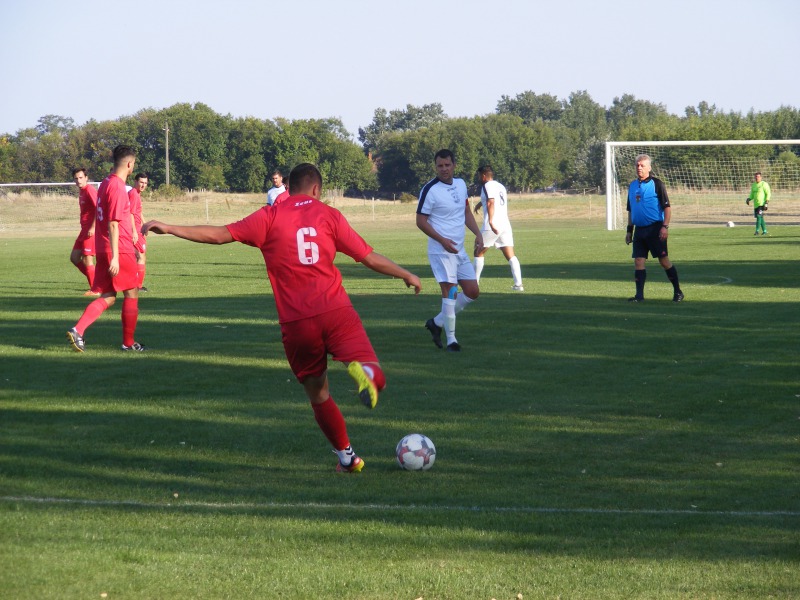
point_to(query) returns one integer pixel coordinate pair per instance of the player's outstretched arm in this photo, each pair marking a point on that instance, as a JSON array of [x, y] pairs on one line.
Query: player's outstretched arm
[[203, 234], [380, 264]]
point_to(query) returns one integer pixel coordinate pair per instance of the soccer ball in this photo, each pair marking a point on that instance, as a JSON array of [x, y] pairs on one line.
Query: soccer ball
[[731, 224], [415, 452]]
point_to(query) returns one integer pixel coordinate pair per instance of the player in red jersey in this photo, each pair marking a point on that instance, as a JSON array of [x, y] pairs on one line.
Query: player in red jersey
[[283, 195], [135, 197], [299, 240], [116, 256], [83, 251]]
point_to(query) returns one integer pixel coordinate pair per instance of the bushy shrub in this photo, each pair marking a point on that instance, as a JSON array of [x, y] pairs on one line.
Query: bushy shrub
[[168, 192], [405, 198]]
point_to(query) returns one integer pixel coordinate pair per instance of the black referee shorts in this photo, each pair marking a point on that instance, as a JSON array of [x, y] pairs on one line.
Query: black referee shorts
[[645, 239]]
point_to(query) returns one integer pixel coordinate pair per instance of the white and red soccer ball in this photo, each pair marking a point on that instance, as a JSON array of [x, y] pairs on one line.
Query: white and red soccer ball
[[415, 452]]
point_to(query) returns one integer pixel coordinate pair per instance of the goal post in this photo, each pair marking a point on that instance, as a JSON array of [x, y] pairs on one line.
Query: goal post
[[708, 181]]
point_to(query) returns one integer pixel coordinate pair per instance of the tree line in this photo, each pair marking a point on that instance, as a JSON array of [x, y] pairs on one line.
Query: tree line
[[532, 141]]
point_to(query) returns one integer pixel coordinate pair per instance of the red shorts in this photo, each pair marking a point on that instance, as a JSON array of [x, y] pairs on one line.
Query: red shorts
[[126, 279], [84, 243], [339, 332]]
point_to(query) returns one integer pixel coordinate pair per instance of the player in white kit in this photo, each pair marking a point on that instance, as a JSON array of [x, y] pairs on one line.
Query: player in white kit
[[442, 213], [496, 229]]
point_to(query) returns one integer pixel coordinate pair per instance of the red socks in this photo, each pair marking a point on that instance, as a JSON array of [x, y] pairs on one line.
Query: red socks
[[130, 315], [89, 272], [140, 271], [331, 422], [91, 314]]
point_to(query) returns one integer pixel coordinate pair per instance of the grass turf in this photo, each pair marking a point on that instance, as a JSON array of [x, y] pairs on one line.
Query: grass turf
[[587, 448]]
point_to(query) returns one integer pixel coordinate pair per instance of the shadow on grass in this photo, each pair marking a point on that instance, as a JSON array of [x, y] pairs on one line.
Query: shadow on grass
[[557, 402]]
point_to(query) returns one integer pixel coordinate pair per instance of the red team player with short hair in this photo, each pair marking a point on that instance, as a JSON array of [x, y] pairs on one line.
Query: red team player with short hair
[[135, 196], [116, 258], [299, 240], [83, 250]]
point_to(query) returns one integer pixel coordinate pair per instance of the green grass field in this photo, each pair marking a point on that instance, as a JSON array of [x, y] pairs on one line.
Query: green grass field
[[587, 448]]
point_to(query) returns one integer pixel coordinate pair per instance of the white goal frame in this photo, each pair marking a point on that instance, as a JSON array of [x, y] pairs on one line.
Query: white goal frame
[[615, 207]]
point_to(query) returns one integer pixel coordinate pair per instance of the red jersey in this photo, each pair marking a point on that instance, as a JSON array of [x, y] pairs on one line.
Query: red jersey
[[299, 240], [136, 207], [280, 197], [87, 201], [113, 205]]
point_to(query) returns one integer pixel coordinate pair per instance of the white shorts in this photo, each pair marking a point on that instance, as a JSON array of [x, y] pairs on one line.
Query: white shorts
[[497, 240], [451, 268]]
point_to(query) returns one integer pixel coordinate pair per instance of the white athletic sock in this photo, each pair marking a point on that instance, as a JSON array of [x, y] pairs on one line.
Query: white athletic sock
[[516, 271], [478, 268], [449, 312], [461, 302], [346, 455]]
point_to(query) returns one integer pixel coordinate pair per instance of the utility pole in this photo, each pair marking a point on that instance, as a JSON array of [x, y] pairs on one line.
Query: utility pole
[[166, 129]]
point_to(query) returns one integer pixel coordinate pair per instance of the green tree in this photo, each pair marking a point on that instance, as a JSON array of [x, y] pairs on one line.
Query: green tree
[[197, 145], [247, 171], [531, 107], [7, 159], [324, 142], [411, 118], [628, 111]]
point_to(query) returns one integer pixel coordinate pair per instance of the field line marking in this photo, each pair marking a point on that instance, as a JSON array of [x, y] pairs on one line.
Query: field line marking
[[398, 507]]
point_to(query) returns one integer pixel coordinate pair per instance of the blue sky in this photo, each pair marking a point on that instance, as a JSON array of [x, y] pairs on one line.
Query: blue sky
[[302, 59]]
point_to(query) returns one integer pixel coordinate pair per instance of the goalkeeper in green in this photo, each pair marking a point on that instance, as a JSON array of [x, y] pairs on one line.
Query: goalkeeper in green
[[760, 194]]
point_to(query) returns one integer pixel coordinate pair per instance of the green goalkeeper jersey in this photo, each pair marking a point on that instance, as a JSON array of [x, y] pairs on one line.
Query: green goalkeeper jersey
[[760, 193]]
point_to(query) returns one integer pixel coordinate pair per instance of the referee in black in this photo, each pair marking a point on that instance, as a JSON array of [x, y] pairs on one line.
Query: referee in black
[[649, 213]]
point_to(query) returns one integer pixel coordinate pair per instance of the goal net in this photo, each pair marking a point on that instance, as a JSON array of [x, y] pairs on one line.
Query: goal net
[[32, 207], [708, 181]]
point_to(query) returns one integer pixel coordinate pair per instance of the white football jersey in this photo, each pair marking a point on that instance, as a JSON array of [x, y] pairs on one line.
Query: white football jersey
[[497, 191], [273, 193], [445, 205]]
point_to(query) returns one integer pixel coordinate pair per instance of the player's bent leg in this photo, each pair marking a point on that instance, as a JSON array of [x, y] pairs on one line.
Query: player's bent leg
[[470, 288], [367, 389]]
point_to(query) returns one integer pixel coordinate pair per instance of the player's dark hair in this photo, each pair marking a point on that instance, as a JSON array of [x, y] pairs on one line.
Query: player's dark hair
[[303, 177], [758, 173], [445, 153], [141, 176], [278, 173], [486, 170], [121, 153], [77, 170]]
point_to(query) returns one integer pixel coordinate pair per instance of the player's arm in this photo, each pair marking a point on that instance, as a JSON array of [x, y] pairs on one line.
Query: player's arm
[[203, 234], [134, 233], [380, 264], [90, 233], [490, 212], [629, 231], [665, 229], [472, 225], [428, 229], [113, 238]]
